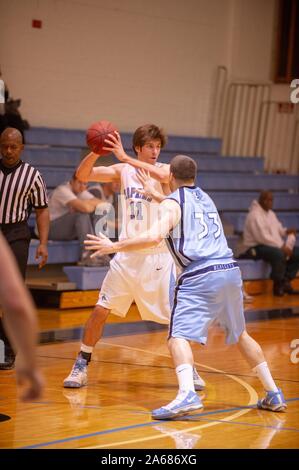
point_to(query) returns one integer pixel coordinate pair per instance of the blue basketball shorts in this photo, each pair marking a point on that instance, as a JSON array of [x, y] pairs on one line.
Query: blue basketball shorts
[[203, 296]]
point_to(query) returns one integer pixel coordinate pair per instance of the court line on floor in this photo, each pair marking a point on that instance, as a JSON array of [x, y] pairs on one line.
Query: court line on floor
[[255, 425], [153, 423], [241, 411], [124, 428], [253, 397], [95, 361]]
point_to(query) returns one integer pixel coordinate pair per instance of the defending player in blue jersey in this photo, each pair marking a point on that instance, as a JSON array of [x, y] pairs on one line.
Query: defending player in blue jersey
[[208, 288]]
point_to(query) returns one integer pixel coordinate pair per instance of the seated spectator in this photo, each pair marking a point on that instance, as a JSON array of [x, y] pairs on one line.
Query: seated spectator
[[72, 211], [105, 191], [265, 238], [10, 115]]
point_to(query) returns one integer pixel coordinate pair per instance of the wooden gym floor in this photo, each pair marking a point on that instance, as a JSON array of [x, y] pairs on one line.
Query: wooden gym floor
[[131, 374]]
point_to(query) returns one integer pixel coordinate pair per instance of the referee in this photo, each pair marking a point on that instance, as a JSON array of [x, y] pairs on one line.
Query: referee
[[21, 189]]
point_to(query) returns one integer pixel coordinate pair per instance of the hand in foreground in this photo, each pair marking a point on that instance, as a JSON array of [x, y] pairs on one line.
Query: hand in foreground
[[30, 381], [101, 245], [114, 145]]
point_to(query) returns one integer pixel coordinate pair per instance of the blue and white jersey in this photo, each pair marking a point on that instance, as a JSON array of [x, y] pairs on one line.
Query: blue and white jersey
[[198, 238]]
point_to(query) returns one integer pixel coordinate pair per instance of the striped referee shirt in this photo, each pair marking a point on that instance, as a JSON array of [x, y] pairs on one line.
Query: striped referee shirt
[[21, 189]]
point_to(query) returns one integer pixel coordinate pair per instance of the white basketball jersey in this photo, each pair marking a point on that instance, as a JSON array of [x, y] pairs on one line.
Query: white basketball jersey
[[138, 211]]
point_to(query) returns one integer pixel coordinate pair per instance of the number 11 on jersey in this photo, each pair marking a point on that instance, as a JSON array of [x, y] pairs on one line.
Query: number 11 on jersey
[[136, 210]]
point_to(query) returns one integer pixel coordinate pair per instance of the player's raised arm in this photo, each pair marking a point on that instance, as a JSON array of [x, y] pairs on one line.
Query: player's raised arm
[[86, 170], [114, 144]]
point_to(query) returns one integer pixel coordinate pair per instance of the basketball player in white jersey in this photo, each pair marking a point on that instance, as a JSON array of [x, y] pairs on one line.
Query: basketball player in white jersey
[[144, 276], [208, 288]]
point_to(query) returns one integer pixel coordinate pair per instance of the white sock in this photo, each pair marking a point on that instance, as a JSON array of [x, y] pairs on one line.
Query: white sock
[[86, 349], [264, 374], [184, 374]]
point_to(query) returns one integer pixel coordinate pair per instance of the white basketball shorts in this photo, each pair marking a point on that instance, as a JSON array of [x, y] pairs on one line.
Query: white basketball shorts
[[147, 279]]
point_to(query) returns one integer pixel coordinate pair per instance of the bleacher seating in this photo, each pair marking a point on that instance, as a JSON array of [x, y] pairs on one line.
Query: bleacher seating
[[229, 201], [86, 278], [52, 156], [58, 251], [220, 164], [254, 269], [232, 182], [247, 182], [76, 138], [237, 219]]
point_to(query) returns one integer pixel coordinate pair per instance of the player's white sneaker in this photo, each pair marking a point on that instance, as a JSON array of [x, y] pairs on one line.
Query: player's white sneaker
[[199, 383], [78, 375], [273, 401], [181, 405]]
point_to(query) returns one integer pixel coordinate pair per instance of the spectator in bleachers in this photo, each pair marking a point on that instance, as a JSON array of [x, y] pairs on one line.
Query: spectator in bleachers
[[21, 189], [72, 210], [10, 115], [265, 238]]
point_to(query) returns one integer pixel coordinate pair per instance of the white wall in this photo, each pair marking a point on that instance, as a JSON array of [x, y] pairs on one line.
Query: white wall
[[130, 61], [252, 39]]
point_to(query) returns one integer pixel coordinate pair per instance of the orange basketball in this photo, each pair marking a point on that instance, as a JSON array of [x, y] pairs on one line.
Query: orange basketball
[[96, 135]]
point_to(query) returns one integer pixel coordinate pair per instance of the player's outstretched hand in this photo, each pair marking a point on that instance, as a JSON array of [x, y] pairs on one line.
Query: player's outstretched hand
[[146, 181], [148, 186], [101, 245], [114, 145]]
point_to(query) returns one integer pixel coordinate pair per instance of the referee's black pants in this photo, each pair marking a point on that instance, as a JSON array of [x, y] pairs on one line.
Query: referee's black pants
[[18, 237]]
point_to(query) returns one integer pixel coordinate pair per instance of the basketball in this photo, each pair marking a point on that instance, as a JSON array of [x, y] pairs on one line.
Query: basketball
[[96, 135]]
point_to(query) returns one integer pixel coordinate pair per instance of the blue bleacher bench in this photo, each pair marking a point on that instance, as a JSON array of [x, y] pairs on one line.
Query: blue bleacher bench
[[52, 156], [237, 219], [247, 182], [209, 181], [229, 201], [253, 270], [86, 278], [219, 163], [77, 138], [60, 252], [47, 156]]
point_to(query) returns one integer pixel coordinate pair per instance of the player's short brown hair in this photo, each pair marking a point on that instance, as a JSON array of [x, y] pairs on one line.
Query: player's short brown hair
[[144, 134], [183, 168]]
